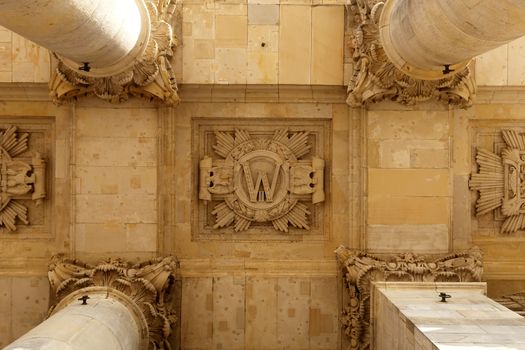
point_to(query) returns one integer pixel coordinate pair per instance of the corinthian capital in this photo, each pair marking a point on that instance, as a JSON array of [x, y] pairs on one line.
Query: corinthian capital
[[145, 289], [375, 77], [144, 72]]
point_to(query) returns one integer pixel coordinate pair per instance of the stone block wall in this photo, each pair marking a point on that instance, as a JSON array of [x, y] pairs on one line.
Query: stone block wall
[[123, 179]]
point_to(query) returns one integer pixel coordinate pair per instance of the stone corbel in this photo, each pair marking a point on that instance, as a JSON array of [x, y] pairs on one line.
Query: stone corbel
[[375, 78], [146, 73], [146, 289], [360, 269]]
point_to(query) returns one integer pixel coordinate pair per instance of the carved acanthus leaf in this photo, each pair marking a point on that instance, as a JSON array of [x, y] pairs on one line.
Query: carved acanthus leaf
[[500, 181], [361, 268], [375, 78], [149, 285], [150, 77]]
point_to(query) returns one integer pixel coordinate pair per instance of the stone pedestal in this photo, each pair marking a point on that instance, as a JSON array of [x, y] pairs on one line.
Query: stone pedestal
[[408, 315]]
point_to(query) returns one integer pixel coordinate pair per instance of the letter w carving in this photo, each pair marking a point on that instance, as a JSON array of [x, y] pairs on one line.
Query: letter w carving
[[262, 178]]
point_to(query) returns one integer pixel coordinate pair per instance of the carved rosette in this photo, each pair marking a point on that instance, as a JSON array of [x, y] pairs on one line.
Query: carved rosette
[[375, 78], [148, 286], [150, 76], [20, 178], [361, 268], [500, 181], [261, 180]]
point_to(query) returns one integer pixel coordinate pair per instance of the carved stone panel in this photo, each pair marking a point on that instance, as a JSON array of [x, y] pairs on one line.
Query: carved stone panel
[[260, 178], [499, 181], [24, 186]]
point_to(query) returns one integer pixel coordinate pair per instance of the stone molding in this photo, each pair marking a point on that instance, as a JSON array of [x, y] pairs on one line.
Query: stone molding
[[20, 178], [148, 285], [261, 179], [500, 183], [149, 75], [360, 269], [375, 78], [515, 302]]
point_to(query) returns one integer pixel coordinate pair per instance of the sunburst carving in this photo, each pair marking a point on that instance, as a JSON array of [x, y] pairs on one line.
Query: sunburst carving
[[261, 179], [500, 181], [19, 178]]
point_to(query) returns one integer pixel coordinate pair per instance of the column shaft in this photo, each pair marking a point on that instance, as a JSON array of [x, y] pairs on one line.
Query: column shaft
[[420, 37], [101, 32], [104, 323]]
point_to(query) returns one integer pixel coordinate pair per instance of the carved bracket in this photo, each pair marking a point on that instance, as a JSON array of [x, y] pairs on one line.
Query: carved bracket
[[20, 178], [150, 76], [375, 78], [149, 285], [261, 180], [360, 269], [500, 181]]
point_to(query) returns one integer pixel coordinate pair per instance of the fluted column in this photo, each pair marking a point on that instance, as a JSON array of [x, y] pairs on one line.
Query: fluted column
[[422, 38]]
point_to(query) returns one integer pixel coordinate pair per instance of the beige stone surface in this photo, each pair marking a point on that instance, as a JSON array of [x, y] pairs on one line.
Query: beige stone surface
[[238, 43], [327, 45], [197, 313], [261, 313], [23, 305], [295, 43]]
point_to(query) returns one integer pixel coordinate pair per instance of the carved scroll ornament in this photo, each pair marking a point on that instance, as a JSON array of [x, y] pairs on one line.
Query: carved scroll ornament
[[374, 78], [361, 268], [149, 286], [500, 181], [261, 180], [20, 178], [150, 76]]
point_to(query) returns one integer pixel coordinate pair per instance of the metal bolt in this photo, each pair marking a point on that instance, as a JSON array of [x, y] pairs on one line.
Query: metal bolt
[[84, 299], [444, 297]]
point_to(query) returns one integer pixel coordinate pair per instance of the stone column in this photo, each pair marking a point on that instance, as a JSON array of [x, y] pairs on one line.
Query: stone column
[[108, 48], [109, 320], [111, 306], [423, 38], [104, 33]]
